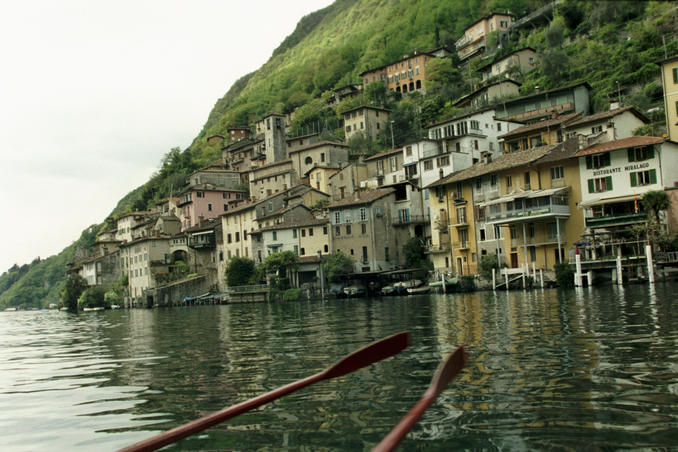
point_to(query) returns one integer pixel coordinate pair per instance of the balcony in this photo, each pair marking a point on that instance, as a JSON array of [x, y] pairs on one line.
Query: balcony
[[529, 209], [461, 222], [616, 220], [411, 219], [442, 224], [443, 247], [460, 245]]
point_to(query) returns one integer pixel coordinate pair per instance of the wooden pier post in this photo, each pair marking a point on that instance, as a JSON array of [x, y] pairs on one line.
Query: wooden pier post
[[577, 274], [506, 279], [620, 274], [494, 278], [650, 264]]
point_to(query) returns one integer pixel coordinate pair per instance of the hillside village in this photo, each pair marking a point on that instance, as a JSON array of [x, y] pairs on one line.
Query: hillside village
[[527, 179]]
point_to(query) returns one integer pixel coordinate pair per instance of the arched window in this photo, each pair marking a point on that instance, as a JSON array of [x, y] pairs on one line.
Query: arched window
[[308, 160], [418, 84], [405, 88], [397, 89], [411, 86]]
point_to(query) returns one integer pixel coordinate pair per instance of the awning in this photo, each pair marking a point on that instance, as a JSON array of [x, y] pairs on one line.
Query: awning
[[405, 165], [508, 198], [546, 192], [524, 194], [611, 200]]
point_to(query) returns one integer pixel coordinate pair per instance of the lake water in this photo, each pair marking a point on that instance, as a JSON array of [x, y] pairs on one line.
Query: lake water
[[570, 370]]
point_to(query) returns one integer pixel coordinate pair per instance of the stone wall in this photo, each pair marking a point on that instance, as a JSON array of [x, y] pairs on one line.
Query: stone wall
[[173, 294]]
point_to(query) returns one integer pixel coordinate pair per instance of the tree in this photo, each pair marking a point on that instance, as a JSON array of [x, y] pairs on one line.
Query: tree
[[74, 287], [336, 266], [93, 297], [239, 271], [415, 256], [656, 201], [487, 263], [281, 264]]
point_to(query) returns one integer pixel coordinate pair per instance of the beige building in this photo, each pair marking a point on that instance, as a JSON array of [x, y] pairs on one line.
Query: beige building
[[386, 167], [319, 153], [405, 75], [616, 123], [523, 60], [272, 178], [296, 143], [347, 180], [319, 177], [669, 69], [361, 226], [475, 36], [144, 259], [370, 121]]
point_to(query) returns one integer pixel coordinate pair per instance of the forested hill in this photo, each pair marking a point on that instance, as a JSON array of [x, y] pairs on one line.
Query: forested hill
[[613, 45]]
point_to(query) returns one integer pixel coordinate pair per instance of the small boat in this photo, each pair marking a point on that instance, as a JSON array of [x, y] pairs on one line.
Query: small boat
[[63, 309], [355, 290], [115, 306], [388, 290], [403, 286], [418, 290], [97, 308], [10, 309]]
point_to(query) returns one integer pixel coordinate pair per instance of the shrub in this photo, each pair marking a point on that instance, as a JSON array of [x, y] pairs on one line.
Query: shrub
[[292, 295], [564, 275], [467, 284], [487, 263]]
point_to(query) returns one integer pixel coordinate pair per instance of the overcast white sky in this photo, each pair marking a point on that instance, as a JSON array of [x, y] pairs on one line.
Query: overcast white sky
[[94, 93]]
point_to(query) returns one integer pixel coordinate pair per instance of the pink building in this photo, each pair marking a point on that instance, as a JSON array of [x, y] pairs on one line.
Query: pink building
[[206, 201]]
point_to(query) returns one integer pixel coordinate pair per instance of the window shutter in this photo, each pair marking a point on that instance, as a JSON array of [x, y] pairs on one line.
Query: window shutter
[[589, 162], [650, 152], [592, 188], [634, 179], [653, 176], [608, 181], [632, 154], [607, 159]]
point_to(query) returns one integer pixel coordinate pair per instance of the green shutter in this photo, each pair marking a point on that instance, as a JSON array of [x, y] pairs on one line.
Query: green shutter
[[632, 154], [650, 152], [634, 179], [589, 162], [592, 188], [607, 159], [608, 183], [675, 75], [653, 176]]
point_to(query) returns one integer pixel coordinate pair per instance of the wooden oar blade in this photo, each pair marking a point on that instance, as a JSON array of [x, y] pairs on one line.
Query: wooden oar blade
[[369, 354], [447, 370]]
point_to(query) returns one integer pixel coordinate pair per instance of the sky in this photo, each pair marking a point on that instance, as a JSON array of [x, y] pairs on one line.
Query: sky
[[93, 94]]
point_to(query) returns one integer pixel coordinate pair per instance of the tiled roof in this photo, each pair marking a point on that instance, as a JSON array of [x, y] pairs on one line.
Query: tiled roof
[[502, 58], [366, 106], [319, 144], [362, 197], [562, 119], [503, 162], [208, 223], [383, 154], [619, 144], [562, 151], [605, 115], [270, 165], [282, 210]]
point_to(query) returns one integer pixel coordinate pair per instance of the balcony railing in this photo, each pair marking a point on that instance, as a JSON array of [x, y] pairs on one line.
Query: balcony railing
[[441, 247], [550, 209], [460, 245], [412, 219], [616, 220]]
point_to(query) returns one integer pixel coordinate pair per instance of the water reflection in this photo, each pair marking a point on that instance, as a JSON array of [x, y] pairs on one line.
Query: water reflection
[[548, 369]]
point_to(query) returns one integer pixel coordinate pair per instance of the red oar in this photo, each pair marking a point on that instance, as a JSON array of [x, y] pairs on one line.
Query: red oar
[[365, 356], [445, 373]]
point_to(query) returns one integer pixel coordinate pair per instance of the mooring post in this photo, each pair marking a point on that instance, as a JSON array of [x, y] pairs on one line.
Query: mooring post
[[650, 266], [620, 275], [506, 279], [541, 277], [494, 278], [577, 274]]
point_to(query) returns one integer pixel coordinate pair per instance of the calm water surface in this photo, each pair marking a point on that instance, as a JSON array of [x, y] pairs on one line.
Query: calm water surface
[[548, 370]]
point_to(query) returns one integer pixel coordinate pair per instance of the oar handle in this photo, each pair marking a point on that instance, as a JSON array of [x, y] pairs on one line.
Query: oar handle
[[183, 431]]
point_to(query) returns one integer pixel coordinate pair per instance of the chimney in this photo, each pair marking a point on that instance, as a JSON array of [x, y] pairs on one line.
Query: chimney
[[536, 89]]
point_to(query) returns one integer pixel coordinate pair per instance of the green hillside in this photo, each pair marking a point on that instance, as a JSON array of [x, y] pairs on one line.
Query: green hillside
[[613, 45]]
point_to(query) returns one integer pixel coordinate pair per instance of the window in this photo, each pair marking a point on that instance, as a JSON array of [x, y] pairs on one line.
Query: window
[[228, 238], [326, 248], [461, 215], [475, 125], [308, 160], [337, 217], [363, 214], [557, 172], [303, 232], [600, 184], [296, 249], [509, 182], [675, 75], [322, 156], [393, 164], [294, 233], [275, 235], [386, 255], [643, 178], [348, 229], [325, 230], [225, 207], [598, 161], [443, 161], [639, 154], [237, 236], [535, 141], [428, 165], [337, 230], [310, 232], [526, 185], [363, 228], [493, 180], [482, 235], [408, 151], [364, 254], [303, 251]]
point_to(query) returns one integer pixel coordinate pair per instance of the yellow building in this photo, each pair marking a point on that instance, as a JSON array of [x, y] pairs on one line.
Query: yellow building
[[670, 83], [528, 198], [550, 131], [319, 177]]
